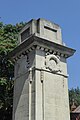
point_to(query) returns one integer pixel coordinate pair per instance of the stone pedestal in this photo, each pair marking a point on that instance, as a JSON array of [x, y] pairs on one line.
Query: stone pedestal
[[40, 87]]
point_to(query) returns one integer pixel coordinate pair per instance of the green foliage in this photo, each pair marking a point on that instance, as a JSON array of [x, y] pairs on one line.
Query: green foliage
[[8, 41], [74, 94], [9, 36], [6, 98]]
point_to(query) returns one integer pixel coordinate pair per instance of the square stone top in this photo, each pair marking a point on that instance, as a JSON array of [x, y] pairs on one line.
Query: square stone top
[[43, 28]]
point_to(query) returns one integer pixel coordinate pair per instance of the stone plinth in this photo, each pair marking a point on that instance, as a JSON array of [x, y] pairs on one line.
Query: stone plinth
[[40, 89]]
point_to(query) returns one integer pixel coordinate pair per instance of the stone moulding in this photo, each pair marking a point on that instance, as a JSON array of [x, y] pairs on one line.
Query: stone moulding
[[35, 42], [42, 70]]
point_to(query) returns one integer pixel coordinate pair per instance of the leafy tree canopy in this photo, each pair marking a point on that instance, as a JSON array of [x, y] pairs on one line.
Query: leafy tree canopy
[[8, 41], [74, 94]]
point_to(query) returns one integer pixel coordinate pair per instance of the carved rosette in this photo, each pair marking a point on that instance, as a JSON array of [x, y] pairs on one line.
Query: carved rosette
[[52, 63]]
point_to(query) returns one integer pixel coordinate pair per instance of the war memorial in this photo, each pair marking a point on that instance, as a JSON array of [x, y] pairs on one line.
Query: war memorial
[[41, 78]]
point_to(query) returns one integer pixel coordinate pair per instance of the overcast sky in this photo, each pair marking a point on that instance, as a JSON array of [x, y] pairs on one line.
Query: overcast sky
[[66, 13]]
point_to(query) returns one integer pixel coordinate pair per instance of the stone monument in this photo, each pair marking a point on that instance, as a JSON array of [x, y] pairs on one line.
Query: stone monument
[[40, 87]]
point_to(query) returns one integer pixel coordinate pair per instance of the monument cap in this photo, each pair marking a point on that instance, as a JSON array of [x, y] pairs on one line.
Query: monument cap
[[41, 28]]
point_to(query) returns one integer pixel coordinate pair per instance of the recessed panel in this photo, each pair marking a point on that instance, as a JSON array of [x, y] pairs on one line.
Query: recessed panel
[[50, 33], [25, 34]]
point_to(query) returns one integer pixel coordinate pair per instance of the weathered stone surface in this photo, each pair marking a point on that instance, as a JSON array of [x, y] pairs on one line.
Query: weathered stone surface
[[43, 28], [41, 90]]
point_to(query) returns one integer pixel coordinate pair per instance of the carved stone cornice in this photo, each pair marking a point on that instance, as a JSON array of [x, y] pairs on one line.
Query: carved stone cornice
[[35, 42]]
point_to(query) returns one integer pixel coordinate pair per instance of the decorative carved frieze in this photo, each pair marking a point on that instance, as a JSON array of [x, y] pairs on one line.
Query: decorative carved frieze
[[25, 52], [52, 62]]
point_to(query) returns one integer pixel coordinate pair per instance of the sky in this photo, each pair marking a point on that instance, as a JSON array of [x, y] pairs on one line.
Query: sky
[[66, 13]]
